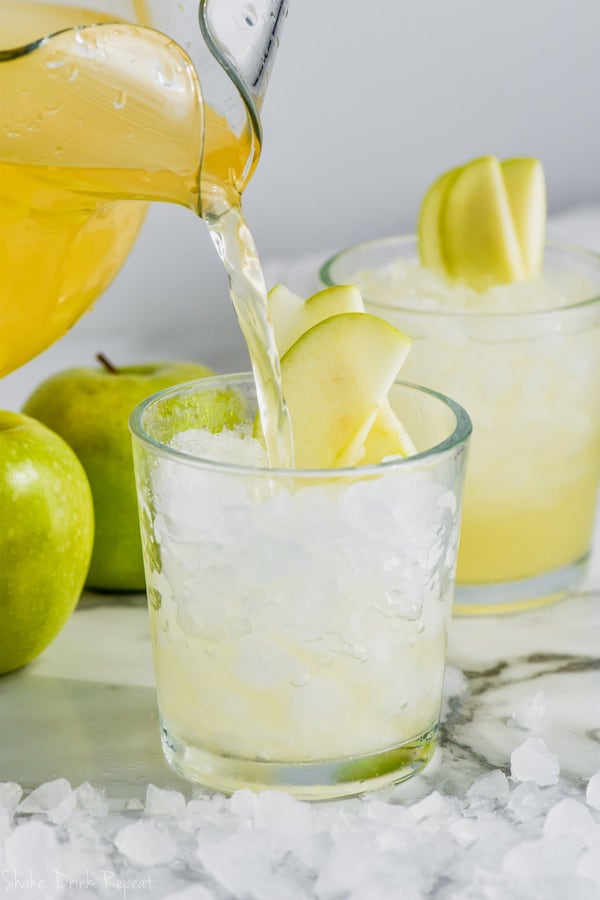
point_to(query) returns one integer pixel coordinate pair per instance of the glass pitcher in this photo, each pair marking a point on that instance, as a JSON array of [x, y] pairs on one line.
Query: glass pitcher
[[113, 101]]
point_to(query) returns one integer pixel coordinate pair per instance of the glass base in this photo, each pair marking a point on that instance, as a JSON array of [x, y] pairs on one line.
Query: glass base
[[522, 595], [321, 780]]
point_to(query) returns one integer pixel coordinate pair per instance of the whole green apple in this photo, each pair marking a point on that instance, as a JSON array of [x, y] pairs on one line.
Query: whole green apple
[[90, 408], [46, 537]]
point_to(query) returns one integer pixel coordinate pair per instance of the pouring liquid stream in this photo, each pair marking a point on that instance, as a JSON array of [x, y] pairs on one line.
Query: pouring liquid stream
[[91, 119]]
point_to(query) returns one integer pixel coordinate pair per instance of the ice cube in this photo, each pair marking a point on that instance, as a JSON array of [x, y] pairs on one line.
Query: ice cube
[[5, 821], [244, 862], [61, 813], [533, 761], [527, 861], [54, 798], [464, 831], [31, 852], [434, 806], [145, 844], [235, 446], [10, 795], [392, 814], [531, 713], [288, 821], [526, 802], [592, 793], [569, 819], [91, 801], [46, 797], [588, 868], [164, 803], [490, 787], [368, 510]]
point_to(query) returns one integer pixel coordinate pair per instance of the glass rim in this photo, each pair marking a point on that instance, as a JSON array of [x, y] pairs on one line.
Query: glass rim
[[584, 253], [459, 436]]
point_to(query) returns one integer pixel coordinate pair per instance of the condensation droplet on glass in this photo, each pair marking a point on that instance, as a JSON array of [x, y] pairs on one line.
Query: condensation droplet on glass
[[72, 72], [300, 680], [162, 79], [120, 100], [403, 704], [419, 628]]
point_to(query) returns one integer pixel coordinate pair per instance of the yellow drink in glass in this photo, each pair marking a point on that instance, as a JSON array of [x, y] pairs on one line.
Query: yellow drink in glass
[[523, 360]]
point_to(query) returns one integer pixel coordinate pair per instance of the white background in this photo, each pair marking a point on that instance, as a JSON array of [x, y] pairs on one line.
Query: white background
[[368, 103]]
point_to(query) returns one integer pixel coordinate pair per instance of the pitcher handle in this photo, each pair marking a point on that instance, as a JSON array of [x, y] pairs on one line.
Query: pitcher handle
[[244, 42]]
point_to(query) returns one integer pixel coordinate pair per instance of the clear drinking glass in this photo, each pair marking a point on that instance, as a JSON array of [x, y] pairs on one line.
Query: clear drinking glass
[[530, 380], [298, 617]]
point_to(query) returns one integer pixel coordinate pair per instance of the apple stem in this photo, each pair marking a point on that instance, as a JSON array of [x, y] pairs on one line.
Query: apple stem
[[104, 361]]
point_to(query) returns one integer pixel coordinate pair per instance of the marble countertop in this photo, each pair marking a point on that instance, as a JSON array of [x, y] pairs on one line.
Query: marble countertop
[[89, 808]]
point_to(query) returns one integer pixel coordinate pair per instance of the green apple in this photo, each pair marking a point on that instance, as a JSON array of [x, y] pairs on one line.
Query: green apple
[[335, 379], [46, 537], [90, 409]]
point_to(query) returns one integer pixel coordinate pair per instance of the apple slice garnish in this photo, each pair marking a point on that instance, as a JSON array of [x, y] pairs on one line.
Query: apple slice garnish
[[430, 238], [292, 317], [336, 378], [484, 223], [526, 190], [478, 233], [387, 437]]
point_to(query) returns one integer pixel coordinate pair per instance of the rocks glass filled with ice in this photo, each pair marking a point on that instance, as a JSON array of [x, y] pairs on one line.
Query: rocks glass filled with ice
[[299, 616], [515, 340]]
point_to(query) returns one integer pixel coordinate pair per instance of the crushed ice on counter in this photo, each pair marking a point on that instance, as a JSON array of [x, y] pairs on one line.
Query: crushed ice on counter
[[525, 833], [523, 836], [592, 794], [533, 761]]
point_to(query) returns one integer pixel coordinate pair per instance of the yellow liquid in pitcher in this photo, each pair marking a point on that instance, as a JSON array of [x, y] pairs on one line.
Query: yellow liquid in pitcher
[[64, 232]]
